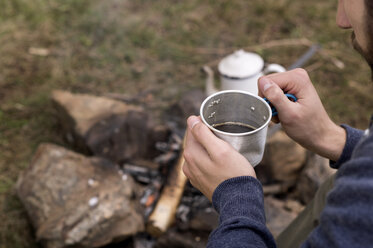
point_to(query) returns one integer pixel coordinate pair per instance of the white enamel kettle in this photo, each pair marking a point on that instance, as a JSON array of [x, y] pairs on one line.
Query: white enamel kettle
[[241, 71]]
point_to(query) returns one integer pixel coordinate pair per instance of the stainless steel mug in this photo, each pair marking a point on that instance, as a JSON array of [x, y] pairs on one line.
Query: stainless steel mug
[[241, 119]]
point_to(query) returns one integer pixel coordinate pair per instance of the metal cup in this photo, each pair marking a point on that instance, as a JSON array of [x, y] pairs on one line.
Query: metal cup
[[239, 118]]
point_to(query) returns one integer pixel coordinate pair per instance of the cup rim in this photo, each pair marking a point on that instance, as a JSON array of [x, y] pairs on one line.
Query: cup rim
[[240, 92]]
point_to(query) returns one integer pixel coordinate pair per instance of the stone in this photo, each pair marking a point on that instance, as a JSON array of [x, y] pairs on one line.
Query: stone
[[175, 239], [77, 201], [283, 160], [204, 220], [316, 171], [189, 104], [108, 128], [277, 216], [293, 206], [84, 111]]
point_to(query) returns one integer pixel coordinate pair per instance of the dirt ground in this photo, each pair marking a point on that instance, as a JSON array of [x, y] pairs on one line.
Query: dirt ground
[[128, 46]]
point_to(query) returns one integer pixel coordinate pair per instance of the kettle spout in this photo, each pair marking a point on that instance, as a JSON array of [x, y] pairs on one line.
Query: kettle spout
[[209, 86]]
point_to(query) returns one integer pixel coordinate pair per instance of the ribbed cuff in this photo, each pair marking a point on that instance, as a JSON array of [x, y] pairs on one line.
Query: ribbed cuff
[[353, 137], [239, 196]]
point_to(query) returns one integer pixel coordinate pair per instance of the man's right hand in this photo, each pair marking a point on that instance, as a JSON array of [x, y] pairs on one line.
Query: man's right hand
[[306, 120]]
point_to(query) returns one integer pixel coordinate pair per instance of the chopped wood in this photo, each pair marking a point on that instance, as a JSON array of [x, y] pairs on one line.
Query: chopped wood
[[164, 212]]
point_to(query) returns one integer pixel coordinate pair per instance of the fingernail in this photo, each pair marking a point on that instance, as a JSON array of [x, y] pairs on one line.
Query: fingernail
[[193, 121], [265, 83]]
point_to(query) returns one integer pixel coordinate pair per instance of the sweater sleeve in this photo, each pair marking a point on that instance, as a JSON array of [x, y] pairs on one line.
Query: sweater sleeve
[[352, 138], [347, 219], [345, 222], [239, 202]]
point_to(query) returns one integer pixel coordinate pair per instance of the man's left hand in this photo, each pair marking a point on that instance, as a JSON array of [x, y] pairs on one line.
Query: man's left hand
[[209, 160]]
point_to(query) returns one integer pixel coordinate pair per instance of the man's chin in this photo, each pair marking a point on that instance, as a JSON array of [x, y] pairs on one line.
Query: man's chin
[[367, 55]]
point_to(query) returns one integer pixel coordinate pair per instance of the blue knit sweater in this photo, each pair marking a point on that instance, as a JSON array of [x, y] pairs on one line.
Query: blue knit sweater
[[346, 221]]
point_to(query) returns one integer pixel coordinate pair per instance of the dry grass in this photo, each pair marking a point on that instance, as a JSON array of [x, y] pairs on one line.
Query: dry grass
[[130, 46]]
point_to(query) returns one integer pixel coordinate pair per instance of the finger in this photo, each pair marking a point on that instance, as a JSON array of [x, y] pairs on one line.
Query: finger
[[194, 152], [193, 149], [275, 95], [291, 82], [189, 174], [196, 156], [204, 136], [192, 182], [259, 89], [186, 170], [260, 93], [275, 119]]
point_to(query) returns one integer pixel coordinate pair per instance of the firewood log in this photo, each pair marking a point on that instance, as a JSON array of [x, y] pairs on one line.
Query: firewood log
[[164, 212]]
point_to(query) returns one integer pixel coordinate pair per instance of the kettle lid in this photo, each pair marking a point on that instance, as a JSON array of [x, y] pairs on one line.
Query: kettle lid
[[241, 64]]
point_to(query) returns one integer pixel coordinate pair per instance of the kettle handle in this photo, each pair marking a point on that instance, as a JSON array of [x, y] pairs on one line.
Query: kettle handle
[[272, 68], [209, 84]]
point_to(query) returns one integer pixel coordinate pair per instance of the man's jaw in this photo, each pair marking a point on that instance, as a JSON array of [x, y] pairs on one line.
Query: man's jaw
[[356, 45], [367, 55]]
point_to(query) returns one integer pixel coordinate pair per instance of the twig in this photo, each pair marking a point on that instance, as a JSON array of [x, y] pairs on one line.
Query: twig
[[279, 43], [128, 98], [327, 54], [314, 66], [266, 45], [274, 189]]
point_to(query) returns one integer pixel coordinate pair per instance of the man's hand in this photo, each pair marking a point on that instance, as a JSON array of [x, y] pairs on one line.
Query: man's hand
[[209, 160], [306, 120]]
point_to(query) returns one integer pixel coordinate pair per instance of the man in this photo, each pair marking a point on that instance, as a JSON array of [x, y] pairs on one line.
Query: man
[[227, 179]]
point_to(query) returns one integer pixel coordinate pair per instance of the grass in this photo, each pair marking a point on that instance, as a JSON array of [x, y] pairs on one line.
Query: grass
[[130, 46]]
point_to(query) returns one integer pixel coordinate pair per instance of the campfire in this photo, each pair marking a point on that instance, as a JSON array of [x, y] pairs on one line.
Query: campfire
[[120, 181]]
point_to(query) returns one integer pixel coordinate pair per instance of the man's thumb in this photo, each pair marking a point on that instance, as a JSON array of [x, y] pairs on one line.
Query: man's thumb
[[274, 94]]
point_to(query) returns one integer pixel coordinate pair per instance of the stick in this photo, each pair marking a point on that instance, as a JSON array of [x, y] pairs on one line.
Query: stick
[[164, 212], [276, 188], [266, 45]]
